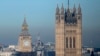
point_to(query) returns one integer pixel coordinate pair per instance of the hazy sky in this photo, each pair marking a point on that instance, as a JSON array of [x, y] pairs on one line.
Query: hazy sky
[[40, 16]]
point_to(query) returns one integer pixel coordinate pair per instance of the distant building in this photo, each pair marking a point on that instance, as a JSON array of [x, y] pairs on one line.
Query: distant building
[[50, 49], [8, 52], [68, 31], [25, 41], [14, 47], [39, 50], [50, 46], [39, 47], [26, 48], [89, 50]]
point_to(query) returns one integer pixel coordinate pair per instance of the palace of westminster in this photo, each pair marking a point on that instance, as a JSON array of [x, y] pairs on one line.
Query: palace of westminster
[[68, 33]]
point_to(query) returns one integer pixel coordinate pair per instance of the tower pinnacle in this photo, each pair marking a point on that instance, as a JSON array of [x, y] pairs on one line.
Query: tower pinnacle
[[57, 9], [79, 9], [62, 9], [68, 10], [24, 28], [24, 23], [74, 9]]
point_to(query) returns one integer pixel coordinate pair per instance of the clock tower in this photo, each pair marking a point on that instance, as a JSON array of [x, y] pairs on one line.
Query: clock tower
[[24, 42]]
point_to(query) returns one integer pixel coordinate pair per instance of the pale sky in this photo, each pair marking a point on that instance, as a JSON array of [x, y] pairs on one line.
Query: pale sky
[[40, 16]]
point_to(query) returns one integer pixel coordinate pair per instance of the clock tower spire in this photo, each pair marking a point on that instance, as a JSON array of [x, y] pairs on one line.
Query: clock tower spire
[[24, 28], [25, 42]]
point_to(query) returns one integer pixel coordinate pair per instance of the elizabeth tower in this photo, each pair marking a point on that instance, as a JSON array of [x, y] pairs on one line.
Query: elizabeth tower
[[25, 40]]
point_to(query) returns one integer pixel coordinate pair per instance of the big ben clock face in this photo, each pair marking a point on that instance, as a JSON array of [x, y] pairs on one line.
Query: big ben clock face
[[26, 43]]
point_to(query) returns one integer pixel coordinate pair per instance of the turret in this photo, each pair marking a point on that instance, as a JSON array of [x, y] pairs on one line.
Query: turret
[[57, 14], [62, 16], [79, 10], [74, 9], [57, 10], [62, 9], [68, 10]]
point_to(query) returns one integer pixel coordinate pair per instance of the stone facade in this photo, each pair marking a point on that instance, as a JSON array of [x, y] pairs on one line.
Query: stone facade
[[25, 40], [68, 31]]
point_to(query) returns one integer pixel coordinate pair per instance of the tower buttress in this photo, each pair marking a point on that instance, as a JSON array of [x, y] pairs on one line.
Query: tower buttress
[[79, 31], [60, 32]]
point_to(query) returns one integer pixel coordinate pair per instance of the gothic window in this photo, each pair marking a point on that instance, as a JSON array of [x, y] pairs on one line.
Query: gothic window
[[70, 42], [74, 42], [66, 42]]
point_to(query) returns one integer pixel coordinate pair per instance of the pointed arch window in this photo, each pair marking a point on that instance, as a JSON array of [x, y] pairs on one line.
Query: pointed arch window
[[74, 41], [66, 42], [70, 42]]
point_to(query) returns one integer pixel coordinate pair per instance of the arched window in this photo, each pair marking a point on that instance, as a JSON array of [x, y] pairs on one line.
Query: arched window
[[74, 42], [70, 42], [66, 42]]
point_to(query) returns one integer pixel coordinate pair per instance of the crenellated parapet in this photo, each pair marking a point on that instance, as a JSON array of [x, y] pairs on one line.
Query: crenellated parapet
[[69, 15]]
